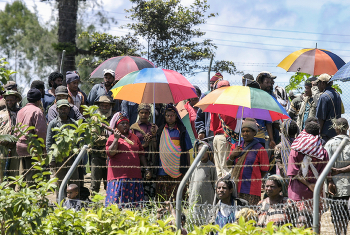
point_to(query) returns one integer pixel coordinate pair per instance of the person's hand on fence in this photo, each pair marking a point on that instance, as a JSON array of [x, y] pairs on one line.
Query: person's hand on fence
[[236, 152], [117, 134], [148, 174], [332, 189], [334, 171], [311, 187], [201, 136]]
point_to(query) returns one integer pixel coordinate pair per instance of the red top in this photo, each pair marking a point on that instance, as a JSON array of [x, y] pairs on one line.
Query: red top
[[215, 123], [129, 158]]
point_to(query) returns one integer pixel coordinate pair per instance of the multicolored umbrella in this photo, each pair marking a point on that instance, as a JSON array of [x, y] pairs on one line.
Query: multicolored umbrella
[[122, 65], [312, 61], [237, 100], [343, 74], [153, 85]]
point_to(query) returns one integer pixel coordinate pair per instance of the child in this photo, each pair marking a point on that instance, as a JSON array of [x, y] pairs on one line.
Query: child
[[73, 202], [202, 183]]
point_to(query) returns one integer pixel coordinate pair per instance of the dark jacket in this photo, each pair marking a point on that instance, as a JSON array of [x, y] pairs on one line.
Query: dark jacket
[[183, 158]]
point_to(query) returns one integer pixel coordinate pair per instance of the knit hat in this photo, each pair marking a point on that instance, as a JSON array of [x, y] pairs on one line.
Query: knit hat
[[62, 102], [110, 71], [251, 123], [144, 106], [222, 84], [71, 76], [104, 99], [33, 95], [10, 85], [216, 77], [11, 92], [61, 90]]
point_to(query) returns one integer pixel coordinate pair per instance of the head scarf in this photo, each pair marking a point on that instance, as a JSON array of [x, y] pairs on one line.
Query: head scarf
[[216, 77], [309, 144], [117, 118], [282, 182], [144, 106]]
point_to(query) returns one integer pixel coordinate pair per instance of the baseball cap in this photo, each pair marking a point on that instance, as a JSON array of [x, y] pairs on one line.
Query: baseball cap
[[62, 102], [61, 90], [272, 76], [110, 71], [324, 78]]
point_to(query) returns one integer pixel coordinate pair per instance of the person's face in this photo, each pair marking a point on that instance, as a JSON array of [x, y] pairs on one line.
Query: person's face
[[123, 127], [144, 115], [63, 111], [170, 117], [222, 191], [266, 85], [205, 157], [57, 82], [308, 91], [109, 79], [248, 134], [61, 97], [321, 86], [272, 189], [73, 86], [104, 107], [211, 85], [72, 193], [11, 101], [194, 101]]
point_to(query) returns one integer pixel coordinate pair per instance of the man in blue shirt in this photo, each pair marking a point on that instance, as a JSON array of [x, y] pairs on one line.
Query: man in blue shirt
[[55, 80], [328, 106]]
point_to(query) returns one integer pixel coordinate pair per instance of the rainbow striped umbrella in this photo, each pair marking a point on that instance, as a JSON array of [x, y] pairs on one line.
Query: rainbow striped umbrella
[[237, 100], [153, 85], [312, 61]]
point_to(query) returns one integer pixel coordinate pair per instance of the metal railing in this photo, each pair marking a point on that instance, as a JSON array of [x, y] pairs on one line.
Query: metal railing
[[319, 183], [70, 172], [183, 184]]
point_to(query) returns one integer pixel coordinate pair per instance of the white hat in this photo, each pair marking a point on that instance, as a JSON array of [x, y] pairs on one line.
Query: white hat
[[110, 71]]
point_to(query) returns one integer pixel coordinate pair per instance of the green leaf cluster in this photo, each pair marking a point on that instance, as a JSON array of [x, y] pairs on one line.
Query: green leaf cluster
[[71, 137]]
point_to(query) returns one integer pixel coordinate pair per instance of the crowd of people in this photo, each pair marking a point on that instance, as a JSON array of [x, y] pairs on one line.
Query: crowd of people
[[138, 160]]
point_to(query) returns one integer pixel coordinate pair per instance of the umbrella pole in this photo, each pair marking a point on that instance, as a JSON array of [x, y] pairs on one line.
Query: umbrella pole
[[240, 128], [154, 106]]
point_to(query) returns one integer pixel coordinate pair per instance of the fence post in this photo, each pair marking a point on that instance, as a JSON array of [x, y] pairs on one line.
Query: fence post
[[70, 172], [319, 183], [183, 184]]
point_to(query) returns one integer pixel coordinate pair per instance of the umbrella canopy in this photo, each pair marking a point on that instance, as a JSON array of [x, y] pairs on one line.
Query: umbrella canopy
[[254, 103], [343, 73], [312, 61], [121, 65], [153, 85]]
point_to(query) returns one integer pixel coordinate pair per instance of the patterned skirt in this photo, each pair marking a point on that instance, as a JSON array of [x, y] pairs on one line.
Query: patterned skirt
[[166, 190], [121, 191]]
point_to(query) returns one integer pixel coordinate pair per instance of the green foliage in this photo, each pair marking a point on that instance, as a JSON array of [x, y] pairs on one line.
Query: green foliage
[[68, 46], [296, 80], [23, 39], [173, 36], [4, 73], [71, 137]]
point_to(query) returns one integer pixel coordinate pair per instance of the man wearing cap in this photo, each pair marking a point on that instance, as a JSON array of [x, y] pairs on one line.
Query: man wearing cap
[[61, 92], [8, 117], [55, 79], [146, 132], [10, 85], [98, 158], [31, 115], [213, 81], [103, 88], [307, 105], [78, 96], [63, 108], [328, 106]]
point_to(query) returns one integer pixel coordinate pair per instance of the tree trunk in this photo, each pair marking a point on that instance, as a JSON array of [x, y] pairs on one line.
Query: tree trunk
[[67, 21]]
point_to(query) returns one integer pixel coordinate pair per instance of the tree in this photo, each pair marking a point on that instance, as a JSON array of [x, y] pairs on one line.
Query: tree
[[24, 40], [170, 29]]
